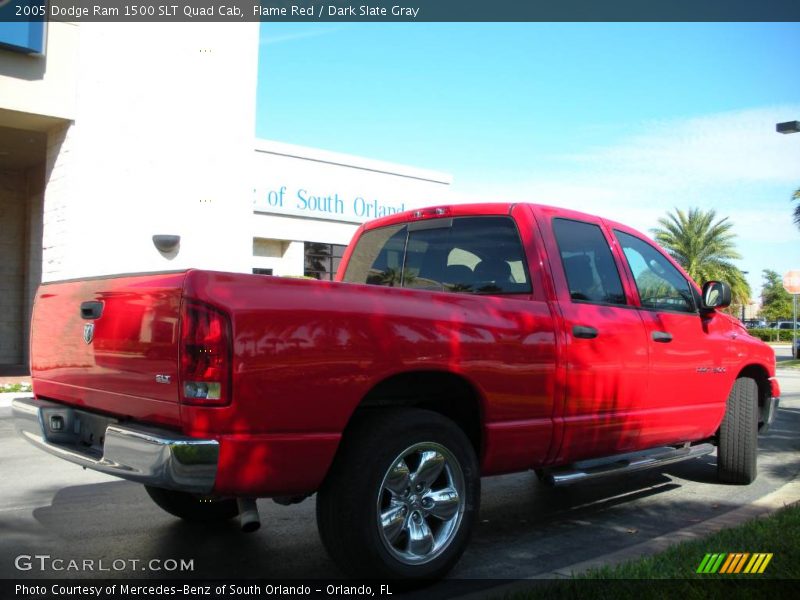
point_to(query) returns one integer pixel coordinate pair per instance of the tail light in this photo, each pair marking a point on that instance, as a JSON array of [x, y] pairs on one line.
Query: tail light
[[205, 357]]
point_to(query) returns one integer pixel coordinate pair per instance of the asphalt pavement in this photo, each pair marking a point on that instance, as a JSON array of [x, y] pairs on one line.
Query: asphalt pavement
[[526, 529]]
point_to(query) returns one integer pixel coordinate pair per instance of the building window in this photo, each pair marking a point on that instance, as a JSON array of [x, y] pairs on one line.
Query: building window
[[262, 271], [322, 260]]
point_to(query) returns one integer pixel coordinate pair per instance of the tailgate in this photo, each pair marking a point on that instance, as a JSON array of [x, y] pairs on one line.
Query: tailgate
[[110, 344]]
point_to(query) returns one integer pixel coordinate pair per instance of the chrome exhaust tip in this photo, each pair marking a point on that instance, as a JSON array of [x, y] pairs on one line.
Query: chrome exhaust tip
[[249, 518]]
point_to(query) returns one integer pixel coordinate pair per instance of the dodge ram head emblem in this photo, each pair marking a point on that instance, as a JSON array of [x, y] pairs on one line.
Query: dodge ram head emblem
[[88, 333]]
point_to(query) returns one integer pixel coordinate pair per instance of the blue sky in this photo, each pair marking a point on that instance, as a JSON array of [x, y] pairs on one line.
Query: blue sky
[[623, 120]]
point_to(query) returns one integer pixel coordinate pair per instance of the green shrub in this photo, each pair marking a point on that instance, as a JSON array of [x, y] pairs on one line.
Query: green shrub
[[14, 387], [773, 335]]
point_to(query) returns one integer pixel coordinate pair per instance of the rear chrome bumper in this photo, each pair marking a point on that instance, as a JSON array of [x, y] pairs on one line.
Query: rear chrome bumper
[[151, 456]]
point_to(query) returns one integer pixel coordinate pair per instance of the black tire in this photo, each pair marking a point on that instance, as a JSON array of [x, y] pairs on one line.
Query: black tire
[[738, 434], [359, 487], [191, 507]]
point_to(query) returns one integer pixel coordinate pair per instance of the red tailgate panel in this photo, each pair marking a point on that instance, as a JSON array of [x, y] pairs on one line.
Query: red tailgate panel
[[134, 339]]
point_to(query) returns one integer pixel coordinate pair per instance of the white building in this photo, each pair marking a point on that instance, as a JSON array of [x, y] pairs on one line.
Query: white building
[[111, 134]]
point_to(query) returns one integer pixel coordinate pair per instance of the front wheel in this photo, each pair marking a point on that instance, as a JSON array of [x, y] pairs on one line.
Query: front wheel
[[738, 434], [191, 507], [401, 498]]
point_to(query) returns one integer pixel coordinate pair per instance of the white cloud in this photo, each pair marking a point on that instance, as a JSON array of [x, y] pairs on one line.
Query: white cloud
[[765, 227], [727, 161], [729, 148], [593, 199]]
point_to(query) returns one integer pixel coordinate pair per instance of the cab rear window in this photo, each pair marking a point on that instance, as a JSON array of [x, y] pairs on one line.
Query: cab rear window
[[477, 255]]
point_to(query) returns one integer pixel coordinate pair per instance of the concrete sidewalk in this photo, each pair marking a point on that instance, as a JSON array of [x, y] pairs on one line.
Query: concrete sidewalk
[[12, 379], [5, 399]]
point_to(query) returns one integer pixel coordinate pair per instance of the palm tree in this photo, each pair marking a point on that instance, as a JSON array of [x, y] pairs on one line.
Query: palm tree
[[704, 248], [796, 198]]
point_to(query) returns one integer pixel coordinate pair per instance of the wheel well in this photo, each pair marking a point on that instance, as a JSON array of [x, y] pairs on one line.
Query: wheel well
[[761, 377], [446, 393]]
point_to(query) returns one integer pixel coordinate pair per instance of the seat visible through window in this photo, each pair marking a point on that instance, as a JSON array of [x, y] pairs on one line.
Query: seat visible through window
[[581, 280], [459, 275], [494, 270]]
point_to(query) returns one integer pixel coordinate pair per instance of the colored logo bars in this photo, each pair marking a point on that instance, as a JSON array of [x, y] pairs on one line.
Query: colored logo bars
[[736, 562]]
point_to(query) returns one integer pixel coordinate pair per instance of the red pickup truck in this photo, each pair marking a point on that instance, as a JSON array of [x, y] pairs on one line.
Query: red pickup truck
[[456, 342]]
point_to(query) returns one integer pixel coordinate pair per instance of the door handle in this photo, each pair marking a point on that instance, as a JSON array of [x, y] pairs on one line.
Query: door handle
[[662, 337], [91, 310], [584, 332]]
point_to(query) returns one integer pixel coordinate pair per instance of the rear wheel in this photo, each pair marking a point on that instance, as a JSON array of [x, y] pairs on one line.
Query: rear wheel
[[401, 497], [191, 507], [738, 434]]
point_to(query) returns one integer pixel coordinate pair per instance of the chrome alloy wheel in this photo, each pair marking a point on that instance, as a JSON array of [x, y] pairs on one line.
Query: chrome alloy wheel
[[421, 503]]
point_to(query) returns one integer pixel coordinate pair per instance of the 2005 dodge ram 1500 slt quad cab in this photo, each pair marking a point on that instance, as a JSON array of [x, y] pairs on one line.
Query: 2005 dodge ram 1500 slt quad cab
[[456, 342]]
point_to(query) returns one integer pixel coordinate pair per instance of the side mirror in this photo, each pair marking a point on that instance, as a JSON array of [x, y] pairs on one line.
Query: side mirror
[[716, 294]]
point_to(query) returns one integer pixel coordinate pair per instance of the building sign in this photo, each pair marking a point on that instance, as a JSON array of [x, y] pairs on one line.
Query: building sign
[[22, 26], [317, 184], [302, 201]]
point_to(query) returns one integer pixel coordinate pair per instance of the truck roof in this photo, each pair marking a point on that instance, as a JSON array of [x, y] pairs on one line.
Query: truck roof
[[482, 208]]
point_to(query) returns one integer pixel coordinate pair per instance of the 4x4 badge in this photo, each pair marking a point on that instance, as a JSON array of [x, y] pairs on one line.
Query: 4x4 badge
[[88, 333]]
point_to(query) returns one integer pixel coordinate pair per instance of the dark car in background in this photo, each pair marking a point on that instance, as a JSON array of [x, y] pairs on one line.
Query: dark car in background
[[755, 323]]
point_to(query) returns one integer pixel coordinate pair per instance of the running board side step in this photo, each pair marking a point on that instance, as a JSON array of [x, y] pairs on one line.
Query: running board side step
[[623, 463]]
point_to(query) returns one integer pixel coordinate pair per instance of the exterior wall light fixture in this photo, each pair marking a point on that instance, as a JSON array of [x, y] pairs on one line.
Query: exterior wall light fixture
[[166, 243], [788, 127]]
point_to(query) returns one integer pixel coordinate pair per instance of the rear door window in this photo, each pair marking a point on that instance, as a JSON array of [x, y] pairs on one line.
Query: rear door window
[[478, 255], [588, 264]]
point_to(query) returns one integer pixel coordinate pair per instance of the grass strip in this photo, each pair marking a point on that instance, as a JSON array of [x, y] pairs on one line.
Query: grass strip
[[789, 364]]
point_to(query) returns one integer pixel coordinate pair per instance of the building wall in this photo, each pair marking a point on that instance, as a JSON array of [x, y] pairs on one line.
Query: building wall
[[20, 249], [58, 194], [12, 233], [43, 85], [32, 265], [160, 144]]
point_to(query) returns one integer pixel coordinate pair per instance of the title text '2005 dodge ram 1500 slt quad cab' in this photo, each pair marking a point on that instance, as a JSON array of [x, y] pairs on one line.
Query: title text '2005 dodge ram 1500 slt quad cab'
[[455, 342]]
